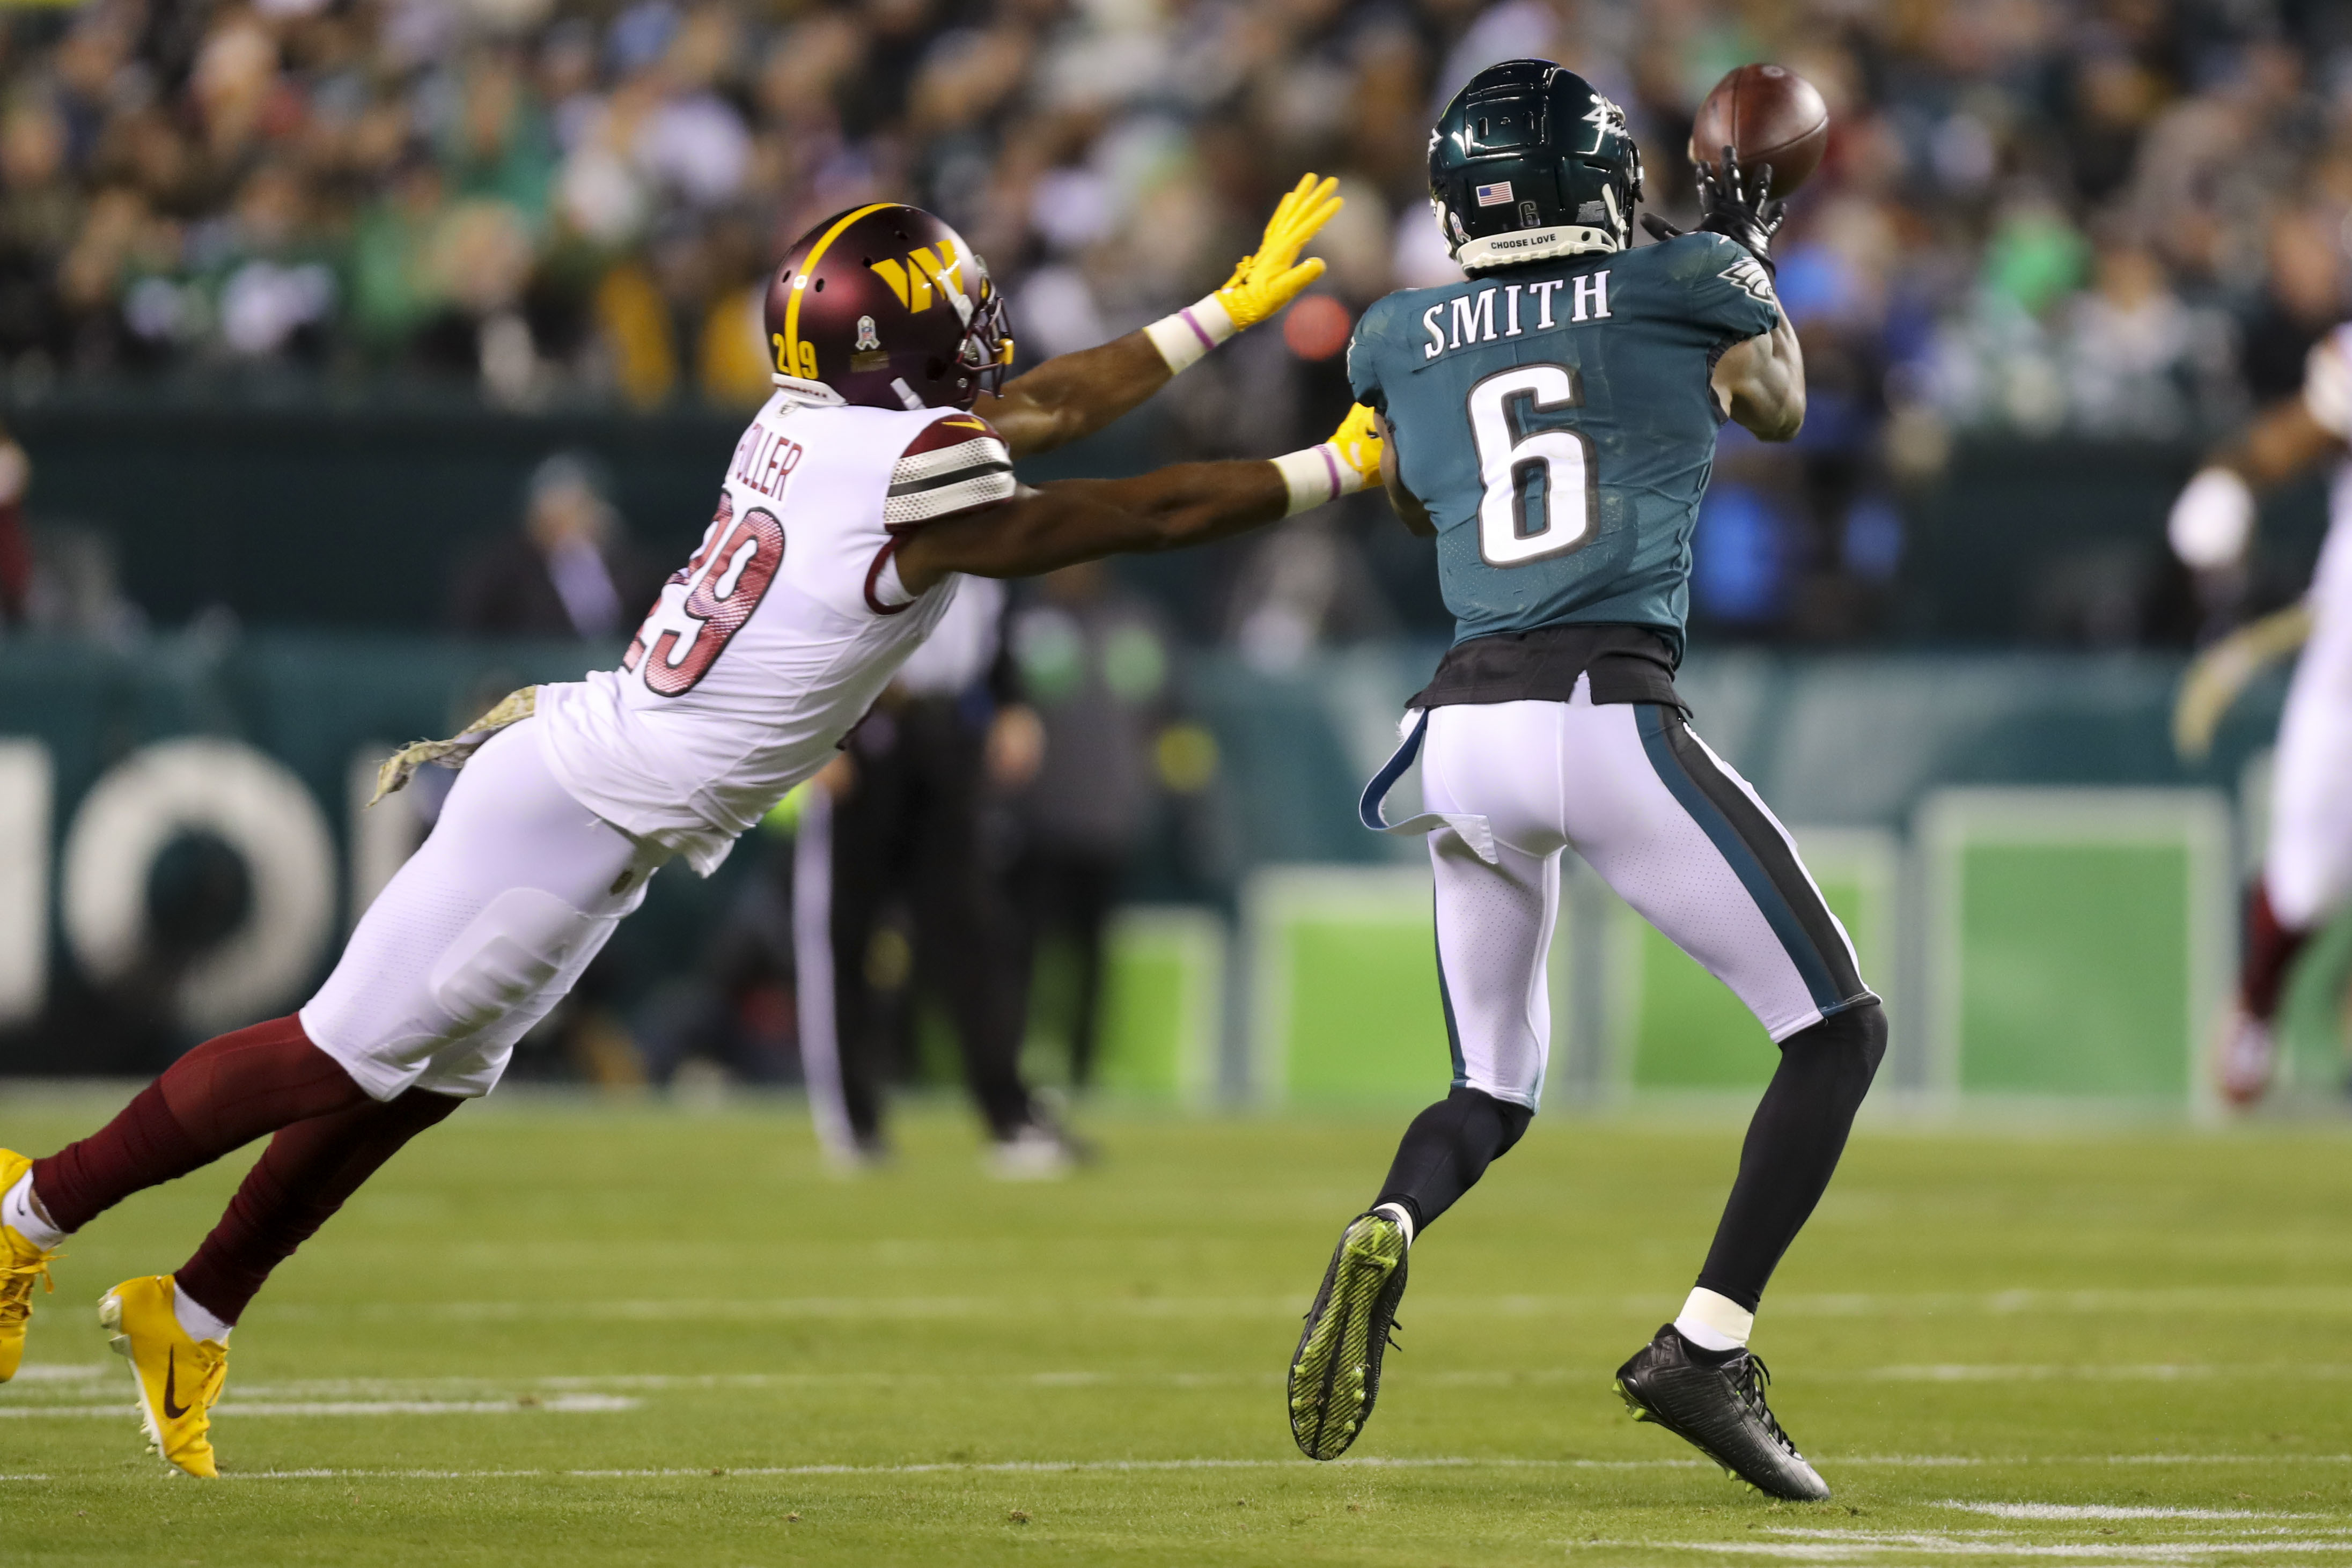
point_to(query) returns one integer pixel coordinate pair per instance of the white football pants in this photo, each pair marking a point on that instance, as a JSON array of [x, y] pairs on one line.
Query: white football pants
[[1668, 824], [2307, 866], [482, 932]]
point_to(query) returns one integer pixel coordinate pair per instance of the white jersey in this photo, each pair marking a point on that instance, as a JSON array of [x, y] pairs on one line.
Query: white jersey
[[784, 626], [2327, 396], [2307, 865]]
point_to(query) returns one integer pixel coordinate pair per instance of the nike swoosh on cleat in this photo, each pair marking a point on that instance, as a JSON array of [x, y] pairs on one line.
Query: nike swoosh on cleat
[[171, 1412]]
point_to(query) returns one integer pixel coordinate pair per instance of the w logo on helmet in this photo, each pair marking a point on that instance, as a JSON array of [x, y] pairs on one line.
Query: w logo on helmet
[[850, 307], [913, 279]]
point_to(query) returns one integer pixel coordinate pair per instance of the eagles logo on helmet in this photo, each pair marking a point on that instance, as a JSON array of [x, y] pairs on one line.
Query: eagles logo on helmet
[[1528, 162], [884, 306]]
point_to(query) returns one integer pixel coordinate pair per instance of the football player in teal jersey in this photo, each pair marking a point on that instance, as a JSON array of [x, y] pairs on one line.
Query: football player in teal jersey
[[1550, 422]]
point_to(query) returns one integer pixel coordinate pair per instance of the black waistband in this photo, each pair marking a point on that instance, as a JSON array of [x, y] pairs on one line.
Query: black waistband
[[1627, 663]]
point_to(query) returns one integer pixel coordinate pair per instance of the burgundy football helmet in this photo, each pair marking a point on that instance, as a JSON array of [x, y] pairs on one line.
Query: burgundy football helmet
[[887, 305]]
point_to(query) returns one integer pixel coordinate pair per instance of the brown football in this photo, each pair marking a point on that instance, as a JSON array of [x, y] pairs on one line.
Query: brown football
[[1766, 114]]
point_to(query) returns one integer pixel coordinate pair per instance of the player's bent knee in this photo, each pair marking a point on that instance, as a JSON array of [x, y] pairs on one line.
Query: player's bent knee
[[1504, 1121], [1851, 1040], [513, 948], [1447, 1149]]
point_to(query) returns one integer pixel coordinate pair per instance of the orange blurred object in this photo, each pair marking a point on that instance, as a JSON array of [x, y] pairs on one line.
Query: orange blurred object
[[1317, 327]]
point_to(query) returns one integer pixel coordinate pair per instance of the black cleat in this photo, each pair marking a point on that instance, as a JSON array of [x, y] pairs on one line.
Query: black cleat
[[1720, 1411], [1336, 1373]]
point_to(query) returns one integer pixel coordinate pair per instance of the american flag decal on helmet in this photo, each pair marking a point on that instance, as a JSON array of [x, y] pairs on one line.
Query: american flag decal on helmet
[[1495, 195]]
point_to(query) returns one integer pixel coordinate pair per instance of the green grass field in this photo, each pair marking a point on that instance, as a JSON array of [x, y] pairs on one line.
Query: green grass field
[[555, 1332]]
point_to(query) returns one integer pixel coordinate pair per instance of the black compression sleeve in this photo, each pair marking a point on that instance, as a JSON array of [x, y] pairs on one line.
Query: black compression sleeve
[[1447, 1149], [1792, 1147]]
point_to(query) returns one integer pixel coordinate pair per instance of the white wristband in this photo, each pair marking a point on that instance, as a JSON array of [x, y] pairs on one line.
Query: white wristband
[[2212, 520], [1316, 476], [1182, 339]]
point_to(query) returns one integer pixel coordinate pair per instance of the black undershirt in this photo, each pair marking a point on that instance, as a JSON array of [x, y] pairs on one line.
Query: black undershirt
[[1628, 665]]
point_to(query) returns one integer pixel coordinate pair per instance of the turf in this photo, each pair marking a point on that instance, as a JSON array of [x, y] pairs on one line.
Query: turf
[[557, 1332]]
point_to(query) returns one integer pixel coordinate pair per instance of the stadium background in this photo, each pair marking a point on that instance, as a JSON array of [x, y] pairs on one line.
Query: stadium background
[[297, 297]]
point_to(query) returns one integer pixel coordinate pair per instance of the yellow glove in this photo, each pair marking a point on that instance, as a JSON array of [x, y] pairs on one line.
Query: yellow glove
[[1358, 445], [1272, 276], [1267, 279], [1349, 462]]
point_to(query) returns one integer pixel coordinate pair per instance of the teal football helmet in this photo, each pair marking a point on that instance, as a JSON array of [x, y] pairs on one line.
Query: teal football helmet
[[1528, 162]]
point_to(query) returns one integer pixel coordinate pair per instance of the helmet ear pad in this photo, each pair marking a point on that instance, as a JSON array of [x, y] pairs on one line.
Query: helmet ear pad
[[1529, 161], [884, 306]]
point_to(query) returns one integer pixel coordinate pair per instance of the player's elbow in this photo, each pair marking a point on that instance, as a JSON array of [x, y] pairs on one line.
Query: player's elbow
[[1782, 418], [1054, 426], [1174, 528]]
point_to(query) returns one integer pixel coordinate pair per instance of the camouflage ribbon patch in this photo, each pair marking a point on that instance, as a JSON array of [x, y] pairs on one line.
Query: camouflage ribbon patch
[[454, 752]]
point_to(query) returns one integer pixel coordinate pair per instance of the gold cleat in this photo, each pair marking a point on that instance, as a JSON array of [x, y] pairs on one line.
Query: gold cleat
[[179, 1378], [21, 1263]]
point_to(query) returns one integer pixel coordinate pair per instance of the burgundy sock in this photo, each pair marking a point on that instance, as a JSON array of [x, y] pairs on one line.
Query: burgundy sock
[[220, 1096], [304, 1175], [2272, 948]]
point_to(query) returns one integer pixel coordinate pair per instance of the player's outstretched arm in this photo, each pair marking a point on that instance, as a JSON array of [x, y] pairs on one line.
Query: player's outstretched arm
[[1761, 381], [2212, 520], [1071, 395], [1061, 524], [1083, 519]]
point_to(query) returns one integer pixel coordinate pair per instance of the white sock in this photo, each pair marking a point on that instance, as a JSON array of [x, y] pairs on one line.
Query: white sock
[[199, 1323], [1402, 1216], [21, 1212], [1714, 1322]]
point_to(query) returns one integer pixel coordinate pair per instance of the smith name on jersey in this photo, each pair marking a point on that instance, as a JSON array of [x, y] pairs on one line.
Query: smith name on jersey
[[1558, 423], [781, 630]]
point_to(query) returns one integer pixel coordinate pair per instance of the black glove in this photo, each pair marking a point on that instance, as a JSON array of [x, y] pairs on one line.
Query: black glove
[[1739, 205]]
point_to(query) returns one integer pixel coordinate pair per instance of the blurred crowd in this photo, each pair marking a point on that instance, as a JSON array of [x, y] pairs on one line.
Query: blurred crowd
[[2120, 215], [2111, 218]]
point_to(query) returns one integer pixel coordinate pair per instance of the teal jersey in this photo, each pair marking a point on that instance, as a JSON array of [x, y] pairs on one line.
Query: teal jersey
[[1558, 423]]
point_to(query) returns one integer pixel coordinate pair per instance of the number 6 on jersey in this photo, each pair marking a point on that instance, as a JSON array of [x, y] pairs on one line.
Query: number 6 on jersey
[[1539, 490]]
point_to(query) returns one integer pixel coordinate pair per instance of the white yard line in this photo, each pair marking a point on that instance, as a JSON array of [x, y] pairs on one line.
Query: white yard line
[[1862, 1547], [2100, 1510], [57, 1382], [1080, 1466], [2230, 1299], [2095, 1372], [54, 1372], [560, 1405]]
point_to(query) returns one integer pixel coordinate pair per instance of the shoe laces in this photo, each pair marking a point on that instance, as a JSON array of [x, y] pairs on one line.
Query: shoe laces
[[16, 1277], [1749, 1383], [214, 1365]]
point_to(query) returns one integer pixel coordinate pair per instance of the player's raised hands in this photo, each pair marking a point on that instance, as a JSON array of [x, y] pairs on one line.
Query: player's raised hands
[[1739, 205], [1272, 275]]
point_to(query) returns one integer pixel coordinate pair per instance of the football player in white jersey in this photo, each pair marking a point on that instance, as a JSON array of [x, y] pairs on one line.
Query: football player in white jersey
[[2306, 871], [854, 502]]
